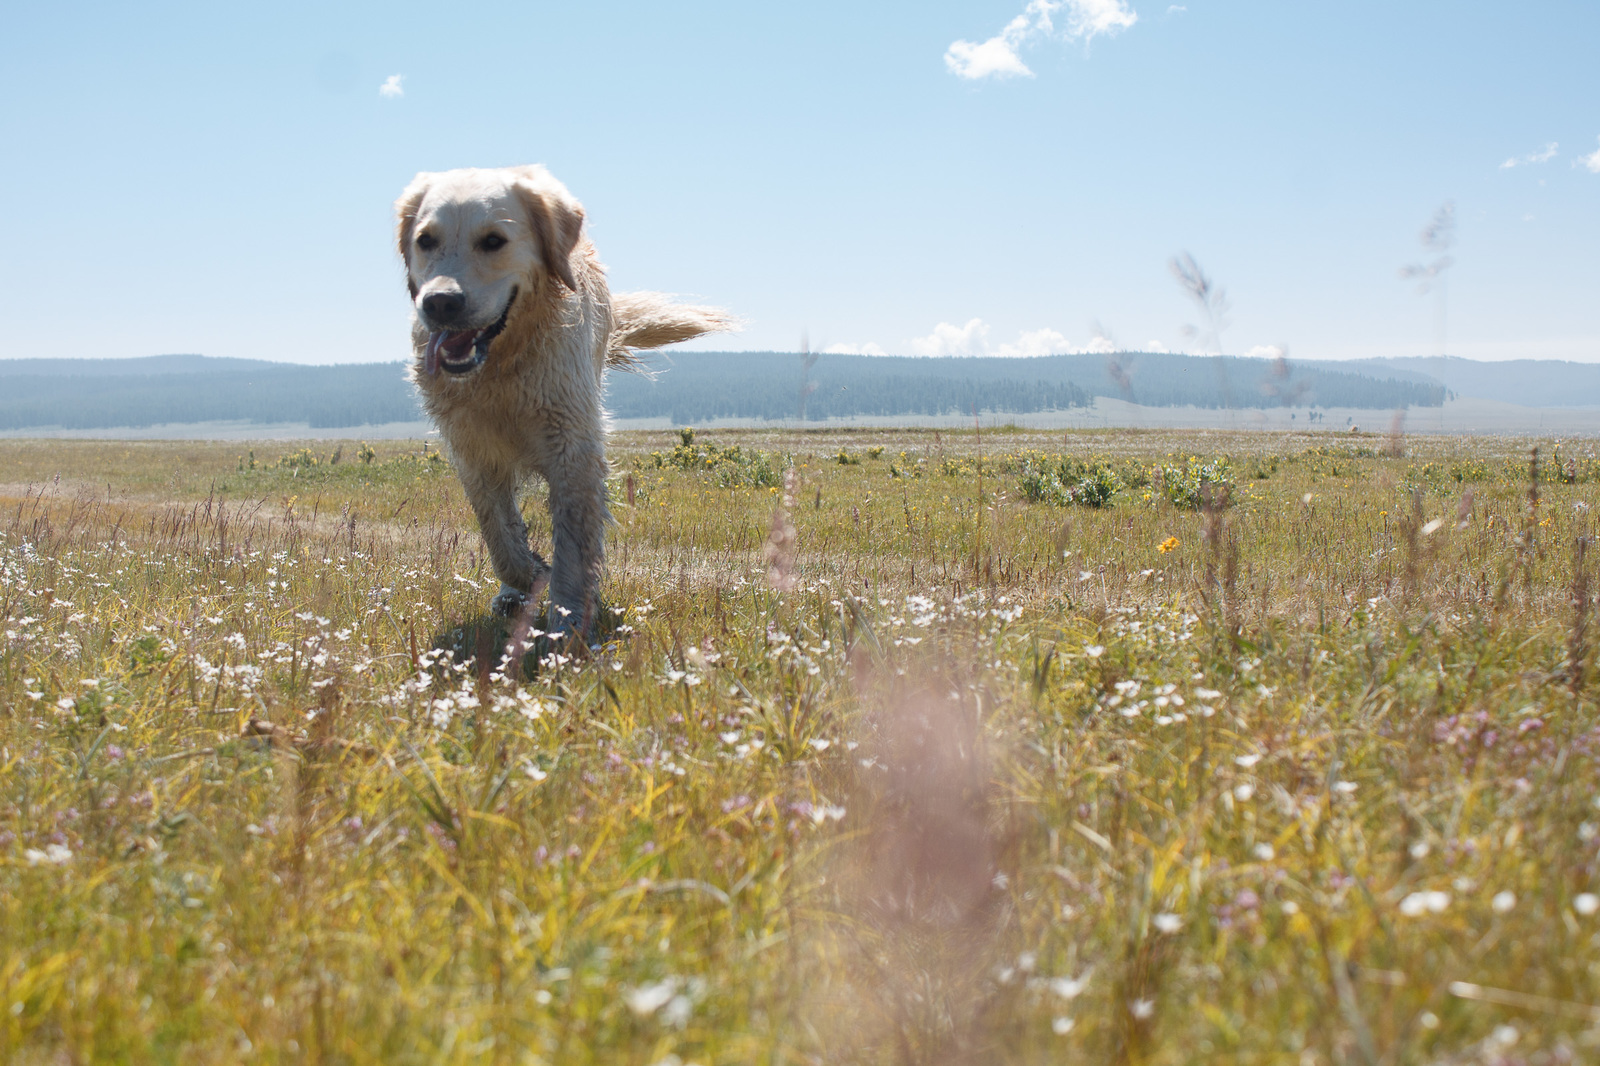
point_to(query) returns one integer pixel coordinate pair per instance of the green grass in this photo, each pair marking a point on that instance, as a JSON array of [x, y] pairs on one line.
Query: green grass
[[935, 765]]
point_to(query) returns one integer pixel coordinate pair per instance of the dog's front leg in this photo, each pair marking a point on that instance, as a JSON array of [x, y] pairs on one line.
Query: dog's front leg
[[519, 567], [578, 517]]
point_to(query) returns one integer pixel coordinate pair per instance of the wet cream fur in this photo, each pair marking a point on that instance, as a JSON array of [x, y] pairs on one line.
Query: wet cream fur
[[534, 407]]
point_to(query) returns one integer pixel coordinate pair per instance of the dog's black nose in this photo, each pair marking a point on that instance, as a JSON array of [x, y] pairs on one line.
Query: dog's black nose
[[444, 307]]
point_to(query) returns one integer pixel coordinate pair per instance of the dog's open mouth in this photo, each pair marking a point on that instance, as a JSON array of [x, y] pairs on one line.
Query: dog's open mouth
[[463, 350]]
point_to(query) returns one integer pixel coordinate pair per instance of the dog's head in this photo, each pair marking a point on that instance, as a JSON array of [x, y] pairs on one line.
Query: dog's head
[[473, 242]]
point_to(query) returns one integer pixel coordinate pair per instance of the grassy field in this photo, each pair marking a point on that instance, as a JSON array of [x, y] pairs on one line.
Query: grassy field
[[902, 747]]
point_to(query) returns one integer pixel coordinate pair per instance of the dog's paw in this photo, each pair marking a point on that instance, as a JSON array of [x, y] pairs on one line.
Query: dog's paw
[[509, 602]]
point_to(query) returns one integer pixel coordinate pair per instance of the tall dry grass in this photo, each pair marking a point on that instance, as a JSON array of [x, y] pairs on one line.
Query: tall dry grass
[[1284, 755]]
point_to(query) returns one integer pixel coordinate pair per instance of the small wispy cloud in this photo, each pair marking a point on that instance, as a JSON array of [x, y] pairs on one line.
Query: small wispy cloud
[[998, 57], [391, 87], [972, 339], [1543, 155], [854, 349], [1590, 162]]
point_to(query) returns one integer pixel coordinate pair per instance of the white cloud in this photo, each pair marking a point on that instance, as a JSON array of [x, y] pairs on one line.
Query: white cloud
[[971, 339], [1591, 163], [391, 86], [1090, 18], [1543, 155], [1265, 351], [1038, 342], [1155, 346], [998, 58], [854, 349]]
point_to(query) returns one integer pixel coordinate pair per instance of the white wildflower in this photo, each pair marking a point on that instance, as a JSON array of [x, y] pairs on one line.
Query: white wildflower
[[1071, 987], [677, 1011], [647, 999], [1419, 903]]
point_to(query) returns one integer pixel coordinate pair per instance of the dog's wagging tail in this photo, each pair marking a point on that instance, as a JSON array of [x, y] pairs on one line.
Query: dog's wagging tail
[[510, 301]]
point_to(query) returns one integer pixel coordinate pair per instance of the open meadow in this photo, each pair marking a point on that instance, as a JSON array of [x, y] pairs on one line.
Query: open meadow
[[901, 747]]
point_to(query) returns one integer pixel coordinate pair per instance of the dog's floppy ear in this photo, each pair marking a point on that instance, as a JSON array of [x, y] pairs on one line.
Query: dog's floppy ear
[[405, 210], [556, 218]]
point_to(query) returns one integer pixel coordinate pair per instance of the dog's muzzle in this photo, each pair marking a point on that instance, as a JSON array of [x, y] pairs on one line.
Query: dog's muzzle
[[462, 351]]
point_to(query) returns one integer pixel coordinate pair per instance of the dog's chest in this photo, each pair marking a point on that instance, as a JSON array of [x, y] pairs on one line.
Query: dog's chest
[[514, 414]]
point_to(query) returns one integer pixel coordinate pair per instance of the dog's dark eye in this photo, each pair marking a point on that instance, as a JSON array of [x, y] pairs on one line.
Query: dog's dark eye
[[427, 242], [492, 243]]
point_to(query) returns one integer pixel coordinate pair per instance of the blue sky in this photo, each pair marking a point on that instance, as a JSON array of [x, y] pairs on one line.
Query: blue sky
[[219, 178]]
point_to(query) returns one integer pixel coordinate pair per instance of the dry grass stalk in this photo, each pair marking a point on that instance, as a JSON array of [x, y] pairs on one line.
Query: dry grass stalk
[[1582, 608], [1220, 590], [1411, 529], [782, 537], [1394, 445], [918, 888], [1527, 543]]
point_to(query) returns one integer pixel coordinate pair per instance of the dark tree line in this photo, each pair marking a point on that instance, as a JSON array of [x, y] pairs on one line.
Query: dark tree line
[[688, 387], [324, 397], [696, 386]]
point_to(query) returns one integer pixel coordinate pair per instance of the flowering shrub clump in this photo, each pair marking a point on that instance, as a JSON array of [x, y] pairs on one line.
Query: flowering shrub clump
[[730, 467], [1066, 482], [1189, 485]]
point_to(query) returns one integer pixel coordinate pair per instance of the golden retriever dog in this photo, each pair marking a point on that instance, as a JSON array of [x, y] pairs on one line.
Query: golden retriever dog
[[514, 328]]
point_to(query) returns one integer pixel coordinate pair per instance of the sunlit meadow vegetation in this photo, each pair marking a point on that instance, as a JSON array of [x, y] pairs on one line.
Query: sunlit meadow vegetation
[[900, 747]]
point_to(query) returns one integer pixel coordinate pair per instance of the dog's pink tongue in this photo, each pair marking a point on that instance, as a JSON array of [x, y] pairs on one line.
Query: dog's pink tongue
[[454, 344]]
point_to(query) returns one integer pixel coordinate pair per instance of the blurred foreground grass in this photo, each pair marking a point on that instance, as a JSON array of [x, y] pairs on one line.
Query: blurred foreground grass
[[902, 752]]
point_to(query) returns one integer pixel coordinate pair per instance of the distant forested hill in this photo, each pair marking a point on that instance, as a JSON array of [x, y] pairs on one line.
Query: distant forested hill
[[102, 393], [1529, 382], [695, 386], [688, 387]]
